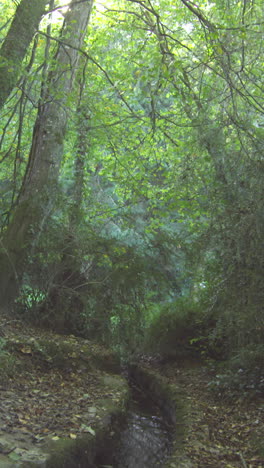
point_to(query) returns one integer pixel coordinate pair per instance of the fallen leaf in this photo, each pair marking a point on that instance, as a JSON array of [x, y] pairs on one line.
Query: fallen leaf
[[92, 410], [88, 429], [26, 350]]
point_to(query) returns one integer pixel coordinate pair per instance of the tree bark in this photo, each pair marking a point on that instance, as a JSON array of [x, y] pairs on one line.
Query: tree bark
[[16, 43], [39, 186]]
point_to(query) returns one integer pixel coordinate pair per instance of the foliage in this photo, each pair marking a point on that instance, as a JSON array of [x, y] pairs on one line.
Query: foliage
[[172, 328], [127, 328], [30, 298], [155, 226], [87, 279]]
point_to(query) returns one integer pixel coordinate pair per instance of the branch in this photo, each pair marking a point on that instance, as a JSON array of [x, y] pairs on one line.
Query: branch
[[66, 45], [16, 43], [197, 12]]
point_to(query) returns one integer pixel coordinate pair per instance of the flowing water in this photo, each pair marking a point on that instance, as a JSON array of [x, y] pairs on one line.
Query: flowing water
[[145, 438]]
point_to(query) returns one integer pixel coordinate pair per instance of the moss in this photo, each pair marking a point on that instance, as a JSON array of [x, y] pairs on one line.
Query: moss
[[67, 453]]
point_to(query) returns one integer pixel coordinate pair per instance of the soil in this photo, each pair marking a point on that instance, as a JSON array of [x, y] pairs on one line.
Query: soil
[[52, 387], [219, 432]]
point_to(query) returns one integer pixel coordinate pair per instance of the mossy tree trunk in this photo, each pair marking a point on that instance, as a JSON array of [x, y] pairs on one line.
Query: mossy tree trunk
[[82, 149], [16, 43], [39, 186], [68, 289]]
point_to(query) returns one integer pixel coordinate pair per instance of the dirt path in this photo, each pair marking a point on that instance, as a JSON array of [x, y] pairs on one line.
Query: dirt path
[[220, 433]]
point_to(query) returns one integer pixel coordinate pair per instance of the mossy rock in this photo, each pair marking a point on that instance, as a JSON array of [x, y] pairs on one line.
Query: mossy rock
[[62, 353]]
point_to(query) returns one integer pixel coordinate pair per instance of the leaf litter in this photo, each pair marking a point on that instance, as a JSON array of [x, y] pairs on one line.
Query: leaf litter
[[54, 390]]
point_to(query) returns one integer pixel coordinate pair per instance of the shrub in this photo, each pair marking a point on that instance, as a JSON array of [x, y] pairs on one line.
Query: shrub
[[175, 328], [126, 328]]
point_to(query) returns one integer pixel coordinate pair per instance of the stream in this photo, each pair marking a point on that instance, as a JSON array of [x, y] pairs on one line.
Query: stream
[[145, 439]]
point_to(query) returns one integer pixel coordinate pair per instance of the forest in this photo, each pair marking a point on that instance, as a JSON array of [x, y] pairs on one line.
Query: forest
[[131, 177]]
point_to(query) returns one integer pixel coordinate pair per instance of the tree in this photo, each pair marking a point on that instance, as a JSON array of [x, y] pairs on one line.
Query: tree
[[38, 190], [166, 142], [13, 51]]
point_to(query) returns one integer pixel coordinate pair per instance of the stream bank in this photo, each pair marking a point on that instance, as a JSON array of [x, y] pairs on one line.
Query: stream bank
[[63, 400], [145, 436], [171, 399], [59, 398], [210, 431]]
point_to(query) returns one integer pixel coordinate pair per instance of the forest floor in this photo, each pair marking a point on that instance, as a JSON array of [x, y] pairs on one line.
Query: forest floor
[[52, 386], [220, 432]]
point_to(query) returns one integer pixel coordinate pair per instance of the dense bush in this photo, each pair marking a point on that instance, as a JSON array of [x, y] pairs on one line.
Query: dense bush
[[175, 328], [92, 285]]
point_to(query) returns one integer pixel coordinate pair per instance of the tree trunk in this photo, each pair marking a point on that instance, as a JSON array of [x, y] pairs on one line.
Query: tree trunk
[[83, 129], [16, 43], [39, 185]]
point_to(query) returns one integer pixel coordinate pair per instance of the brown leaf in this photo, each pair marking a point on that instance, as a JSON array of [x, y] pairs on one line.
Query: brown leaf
[[26, 350]]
